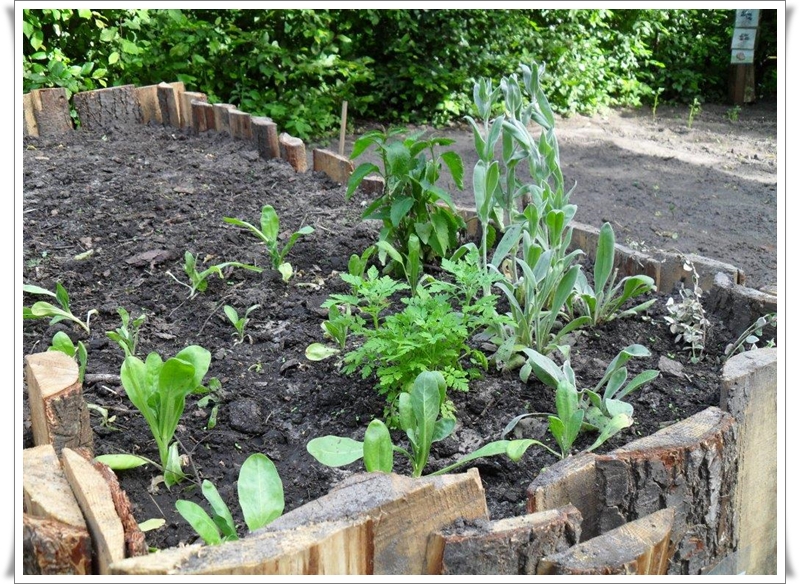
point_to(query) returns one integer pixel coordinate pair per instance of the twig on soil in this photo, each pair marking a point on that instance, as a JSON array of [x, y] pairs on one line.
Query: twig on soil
[[101, 378]]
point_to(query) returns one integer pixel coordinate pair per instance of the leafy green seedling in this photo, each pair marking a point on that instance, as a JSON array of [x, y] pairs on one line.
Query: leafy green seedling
[[198, 281], [419, 418], [158, 389], [127, 335], [268, 234], [239, 322], [44, 309], [410, 263], [750, 337], [603, 302], [105, 420], [62, 342], [260, 493]]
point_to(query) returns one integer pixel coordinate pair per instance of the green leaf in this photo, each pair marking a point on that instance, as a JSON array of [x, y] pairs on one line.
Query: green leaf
[[62, 342], [270, 223], [121, 461], [260, 491], [443, 428], [113, 58], [400, 208], [152, 524], [31, 289], [617, 423], [199, 358], [222, 514], [85, 13], [604, 262], [544, 368], [285, 269], [358, 175], [335, 450], [37, 39], [456, 166], [199, 520], [378, 451], [319, 352], [231, 313]]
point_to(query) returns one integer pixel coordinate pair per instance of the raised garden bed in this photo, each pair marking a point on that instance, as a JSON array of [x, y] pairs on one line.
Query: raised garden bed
[[176, 186]]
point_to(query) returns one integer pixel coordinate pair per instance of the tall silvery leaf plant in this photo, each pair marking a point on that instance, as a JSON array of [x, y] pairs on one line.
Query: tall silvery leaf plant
[[158, 389]]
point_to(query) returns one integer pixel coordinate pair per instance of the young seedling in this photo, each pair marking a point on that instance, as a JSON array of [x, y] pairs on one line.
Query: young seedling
[[261, 499], [127, 335], [750, 337], [198, 281], [694, 111], [419, 418], [105, 420], [158, 389], [687, 318], [239, 322], [44, 309], [268, 234], [62, 342]]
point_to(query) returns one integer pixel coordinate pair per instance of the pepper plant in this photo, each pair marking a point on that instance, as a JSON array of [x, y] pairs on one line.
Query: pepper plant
[[419, 417]]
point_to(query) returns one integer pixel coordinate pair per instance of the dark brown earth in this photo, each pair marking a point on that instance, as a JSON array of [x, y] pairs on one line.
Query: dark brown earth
[[133, 191]]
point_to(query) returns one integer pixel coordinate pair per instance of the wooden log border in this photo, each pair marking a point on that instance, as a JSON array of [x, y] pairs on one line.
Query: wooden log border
[[734, 445]]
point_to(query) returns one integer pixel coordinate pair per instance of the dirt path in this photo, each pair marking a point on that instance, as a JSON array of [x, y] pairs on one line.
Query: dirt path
[[710, 190]]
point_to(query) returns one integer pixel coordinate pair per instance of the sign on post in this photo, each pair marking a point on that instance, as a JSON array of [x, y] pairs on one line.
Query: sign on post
[[743, 46]]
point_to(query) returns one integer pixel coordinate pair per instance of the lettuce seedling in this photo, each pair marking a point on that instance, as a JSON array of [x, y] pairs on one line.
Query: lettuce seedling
[[419, 418], [239, 322], [260, 492], [198, 281], [603, 302], [44, 309], [268, 233], [158, 389], [127, 335]]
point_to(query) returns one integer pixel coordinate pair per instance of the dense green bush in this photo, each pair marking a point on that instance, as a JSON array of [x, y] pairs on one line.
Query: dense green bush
[[296, 66]]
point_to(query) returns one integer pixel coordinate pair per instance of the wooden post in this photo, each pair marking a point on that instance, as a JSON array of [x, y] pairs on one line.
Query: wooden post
[[508, 547], [640, 547], [147, 98], [294, 151], [265, 136], [743, 44], [106, 109], [199, 123], [187, 115], [241, 126], [221, 117], [169, 104], [50, 110], [337, 167], [95, 500], [29, 127], [59, 415], [55, 534], [343, 128]]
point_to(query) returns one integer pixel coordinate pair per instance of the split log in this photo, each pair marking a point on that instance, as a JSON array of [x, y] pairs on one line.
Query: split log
[[570, 481], [147, 98], [56, 539], [371, 523], [221, 117], [50, 109], [95, 500], [169, 103], [640, 547], [106, 109], [738, 306], [265, 135], [199, 120], [241, 126], [50, 547], [689, 466], [749, 392], [59, 415], [512, 546], [372, 185], [186, 99], [293, 151], [338, 168], [29, 127]]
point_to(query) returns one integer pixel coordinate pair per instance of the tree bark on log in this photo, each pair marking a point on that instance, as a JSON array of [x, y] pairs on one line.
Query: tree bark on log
[[50, 108], [59, 415], [640, 547], [101, 110], [338, 168], [96, 502], [186, 99], [689, 466], [265, 135], [293, 151], [50, 547], [508, 547], [169, 101]]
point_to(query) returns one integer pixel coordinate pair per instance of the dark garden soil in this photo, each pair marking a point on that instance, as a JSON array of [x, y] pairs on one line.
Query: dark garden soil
[[140, 198]]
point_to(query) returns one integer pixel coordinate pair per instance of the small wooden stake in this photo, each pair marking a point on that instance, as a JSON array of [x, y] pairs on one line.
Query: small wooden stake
[[294, 151], [343, 128]]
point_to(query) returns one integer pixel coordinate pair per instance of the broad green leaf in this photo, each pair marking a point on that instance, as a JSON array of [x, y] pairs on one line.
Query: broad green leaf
[[173, 472], [319, 352], [286, 270], [37, 39], [566, 400], [113, 58], [31, 289], [617, 423], [364, 142], [199, 358], [121, 461], [85, 13], [231, 313], [400, 208], [443, 428], [260, 491], [62, 342], [222, 517], [358, 175], [335, 450], [398, 159], [270, 223], [615, 382], [199, 520], [604, 262], [636, 382], [516, 448], [378, 452], [615, 407], [456, 166], [544, 368]]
